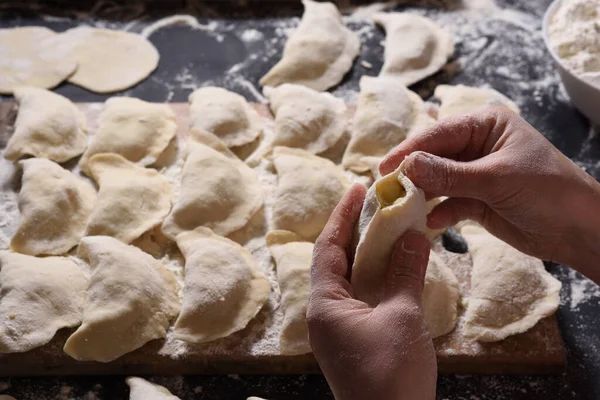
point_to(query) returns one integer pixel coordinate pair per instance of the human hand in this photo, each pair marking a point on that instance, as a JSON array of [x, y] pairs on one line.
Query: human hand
[[384, 352], [499, 171]]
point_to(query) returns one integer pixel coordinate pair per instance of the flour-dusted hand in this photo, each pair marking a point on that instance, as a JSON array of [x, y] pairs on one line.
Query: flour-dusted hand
[[499, 171], [384, 352]]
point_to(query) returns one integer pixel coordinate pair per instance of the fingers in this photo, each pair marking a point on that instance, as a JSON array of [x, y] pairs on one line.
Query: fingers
[[452, 211]]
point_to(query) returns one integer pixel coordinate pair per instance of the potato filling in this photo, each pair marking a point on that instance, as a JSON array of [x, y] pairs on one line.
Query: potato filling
[[389, 192]]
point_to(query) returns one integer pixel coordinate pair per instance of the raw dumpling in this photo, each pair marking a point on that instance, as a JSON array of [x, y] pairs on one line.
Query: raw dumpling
[[131, 299], [48, 126], [308, 190], [440, 297], [135, 129], [218, 190], [131, 199], [141, 389], [319, 52], [39, 296], [224, 287], [415, 46], [510, 291], [387, 113], [225, 114], [392, 206], [461, 100], [54, 206], [292, 256]]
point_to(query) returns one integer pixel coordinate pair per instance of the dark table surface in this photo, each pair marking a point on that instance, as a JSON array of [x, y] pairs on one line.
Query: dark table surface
[[500, 47]]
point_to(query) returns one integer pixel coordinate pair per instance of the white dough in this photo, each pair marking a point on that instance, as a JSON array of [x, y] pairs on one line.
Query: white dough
[[440, 297], [54, 207], [415, 46], [461, 100], [38, 296], [141, 389], [319, 53], [48, 126], [131, 299]]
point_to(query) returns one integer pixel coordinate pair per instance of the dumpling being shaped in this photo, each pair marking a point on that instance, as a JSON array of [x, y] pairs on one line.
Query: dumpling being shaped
[[135, 129], [48, 126], [440, 297], [218, 190], [308, 190], [224, 287], [415, 47], [131, 299], [54, 206], [319, 53], [141, 389], [39, 297], [387, 113], [461, 100], [510, 291], [292, 255], [131, 199], [225, 114]]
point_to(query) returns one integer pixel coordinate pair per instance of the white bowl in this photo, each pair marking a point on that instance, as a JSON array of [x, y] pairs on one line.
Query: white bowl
[[584, 95]]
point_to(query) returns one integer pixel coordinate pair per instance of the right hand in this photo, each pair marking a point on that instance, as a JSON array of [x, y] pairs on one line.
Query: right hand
[[498, 170]]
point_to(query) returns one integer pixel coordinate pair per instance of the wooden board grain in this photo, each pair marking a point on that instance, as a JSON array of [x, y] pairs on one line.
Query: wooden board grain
[[538, 351]]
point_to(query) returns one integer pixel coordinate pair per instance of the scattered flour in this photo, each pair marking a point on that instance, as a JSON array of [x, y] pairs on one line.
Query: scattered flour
[[251, 35], [177, 20]]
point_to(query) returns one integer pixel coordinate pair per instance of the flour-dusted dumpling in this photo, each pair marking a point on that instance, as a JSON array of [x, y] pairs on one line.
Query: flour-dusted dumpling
[[308, 190], [131, 199], [292, 255], [131, 299], [38, 296], [392, 206], [415, 46], [224, 287], [440, 297], [387, 113], [510, 291], [461, 100], [135, 129], [48, 126], [218, 190], [225, 114], [141, 389], [54, 206], [319, 52]]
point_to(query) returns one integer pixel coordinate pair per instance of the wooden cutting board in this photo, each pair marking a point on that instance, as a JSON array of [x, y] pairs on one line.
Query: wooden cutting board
[[538, 351]]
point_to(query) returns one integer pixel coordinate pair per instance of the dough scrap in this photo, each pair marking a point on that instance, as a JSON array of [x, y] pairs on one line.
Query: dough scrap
[[48, 125], [387, 113], [308, 190], [135, 129], [141, 389], [510, 291], [225, 114], [415, 47], [39, 296], [292, 255], [392, 206], [109, 60], [440, 297], [131, 200], [319, 53], [224, 287], [54, 207], [461, 100], [32, 56], [131, 299]]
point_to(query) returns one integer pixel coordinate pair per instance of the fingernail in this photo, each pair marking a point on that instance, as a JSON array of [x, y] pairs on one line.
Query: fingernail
[[417, 166]]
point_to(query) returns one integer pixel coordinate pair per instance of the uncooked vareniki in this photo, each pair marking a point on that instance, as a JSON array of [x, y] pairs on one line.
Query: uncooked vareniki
[[392, 206], [141, 389], [415, 46], [225, 114], [510, 291], [387, 113], [224, 287], [440, 297], [135, 129], [308, 190], [131, 299], [48, 125], [39, 296], [292, 256], [54, 207], [461, 100], [131, 199], [319, 52]]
